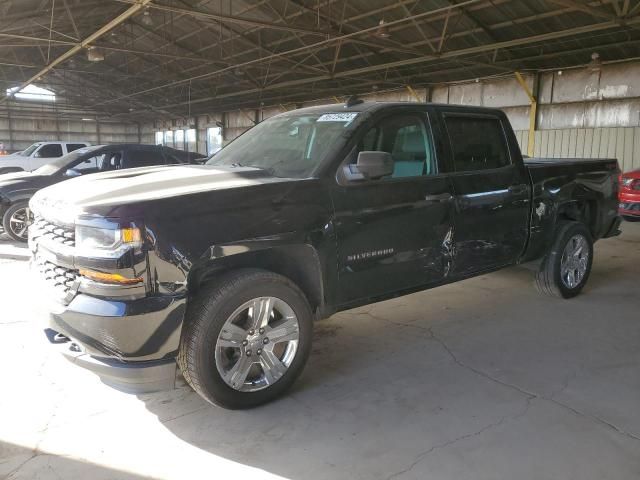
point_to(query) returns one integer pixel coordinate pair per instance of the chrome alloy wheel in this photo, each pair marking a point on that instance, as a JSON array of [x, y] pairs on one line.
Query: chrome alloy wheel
[[19, 222], [257, 344], [575, 261]]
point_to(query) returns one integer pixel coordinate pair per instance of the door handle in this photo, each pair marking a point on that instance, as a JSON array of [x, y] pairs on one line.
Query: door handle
[[517, 189], [442, 197]]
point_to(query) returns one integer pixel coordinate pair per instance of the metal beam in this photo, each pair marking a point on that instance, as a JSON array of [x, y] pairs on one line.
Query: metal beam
[[83, 44], [414, 61], [388, 65], [232, 19], [594, 12], [533, 115], [286, 54]]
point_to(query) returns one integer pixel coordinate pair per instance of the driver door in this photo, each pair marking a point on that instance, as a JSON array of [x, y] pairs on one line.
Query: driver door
[[392, 232]]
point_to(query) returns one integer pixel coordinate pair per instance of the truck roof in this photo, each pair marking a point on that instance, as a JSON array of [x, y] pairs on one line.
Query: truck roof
[[375, 106]]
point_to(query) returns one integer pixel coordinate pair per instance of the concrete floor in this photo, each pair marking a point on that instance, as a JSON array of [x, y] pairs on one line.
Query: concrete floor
[[484, 379]]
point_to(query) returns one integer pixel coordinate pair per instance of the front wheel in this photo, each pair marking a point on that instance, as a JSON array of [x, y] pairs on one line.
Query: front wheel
[[246, 339], [566, 268], [15, 221]]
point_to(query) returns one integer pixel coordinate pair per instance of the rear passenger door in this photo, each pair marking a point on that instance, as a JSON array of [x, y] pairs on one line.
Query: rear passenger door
[[491, 192], [391, 232]]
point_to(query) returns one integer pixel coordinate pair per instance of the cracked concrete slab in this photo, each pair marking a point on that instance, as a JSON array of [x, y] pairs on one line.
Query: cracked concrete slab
[[483, 379]]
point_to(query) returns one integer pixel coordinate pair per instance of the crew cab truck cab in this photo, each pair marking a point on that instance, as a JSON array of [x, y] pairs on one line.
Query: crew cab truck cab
[[221, 268], [37, 155]]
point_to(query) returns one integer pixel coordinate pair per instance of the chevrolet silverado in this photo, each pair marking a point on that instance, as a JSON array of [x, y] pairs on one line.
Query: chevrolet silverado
[[220, 269]]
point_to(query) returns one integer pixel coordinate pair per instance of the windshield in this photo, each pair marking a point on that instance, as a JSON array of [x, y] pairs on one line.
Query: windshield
[[63, 162], [289, 146], [30, 150]]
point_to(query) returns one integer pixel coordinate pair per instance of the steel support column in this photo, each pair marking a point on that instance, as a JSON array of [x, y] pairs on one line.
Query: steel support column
[[533, 110]]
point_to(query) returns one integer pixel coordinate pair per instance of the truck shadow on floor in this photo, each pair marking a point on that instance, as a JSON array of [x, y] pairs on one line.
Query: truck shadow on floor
[[17, 462], [373, 388]]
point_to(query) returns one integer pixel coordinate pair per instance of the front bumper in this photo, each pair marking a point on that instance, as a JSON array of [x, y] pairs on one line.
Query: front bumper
[[629, 209], [135, 377], [130, 344]]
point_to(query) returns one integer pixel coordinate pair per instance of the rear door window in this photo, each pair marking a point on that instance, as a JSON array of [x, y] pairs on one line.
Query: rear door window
[[143, 158], [477, 142], [74, 146]]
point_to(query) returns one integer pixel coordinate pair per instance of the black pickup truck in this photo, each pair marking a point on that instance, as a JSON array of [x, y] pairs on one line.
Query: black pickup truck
[[221, 268]]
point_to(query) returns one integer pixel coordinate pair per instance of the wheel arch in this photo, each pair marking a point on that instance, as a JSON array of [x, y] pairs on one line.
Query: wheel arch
[[300, 263], [584, 209]]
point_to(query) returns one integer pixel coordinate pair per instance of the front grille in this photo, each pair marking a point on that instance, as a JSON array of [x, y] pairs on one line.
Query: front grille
[[43, 229], [60, 279]]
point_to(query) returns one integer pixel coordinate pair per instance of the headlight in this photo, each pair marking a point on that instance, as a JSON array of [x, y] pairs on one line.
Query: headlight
[[107, 240]]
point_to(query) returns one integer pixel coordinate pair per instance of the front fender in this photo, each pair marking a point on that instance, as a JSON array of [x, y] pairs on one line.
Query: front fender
[[291, 255]]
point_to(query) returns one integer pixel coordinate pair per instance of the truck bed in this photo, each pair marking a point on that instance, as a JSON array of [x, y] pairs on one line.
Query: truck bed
[[583, 181], [545, 161]]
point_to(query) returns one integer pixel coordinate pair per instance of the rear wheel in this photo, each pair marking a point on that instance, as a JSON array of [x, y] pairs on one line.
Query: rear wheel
[[566, 268], [15, 221], [246, 339]]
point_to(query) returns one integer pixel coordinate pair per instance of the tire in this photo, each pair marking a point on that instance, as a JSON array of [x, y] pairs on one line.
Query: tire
[[631, 219], [551, 278], [204, 354], [8, 221]]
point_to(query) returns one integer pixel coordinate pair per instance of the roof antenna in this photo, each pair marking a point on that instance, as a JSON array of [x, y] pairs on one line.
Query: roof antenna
[[353, 100]]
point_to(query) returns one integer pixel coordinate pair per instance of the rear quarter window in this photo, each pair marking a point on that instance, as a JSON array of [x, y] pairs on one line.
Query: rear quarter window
[[74, 146]]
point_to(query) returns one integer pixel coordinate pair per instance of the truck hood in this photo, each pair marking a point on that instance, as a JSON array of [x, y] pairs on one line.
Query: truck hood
[[9, 178], [13, 160], [143, 184]]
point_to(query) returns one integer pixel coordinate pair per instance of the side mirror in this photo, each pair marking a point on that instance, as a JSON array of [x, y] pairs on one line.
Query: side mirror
[[374, 165], [72, 172]]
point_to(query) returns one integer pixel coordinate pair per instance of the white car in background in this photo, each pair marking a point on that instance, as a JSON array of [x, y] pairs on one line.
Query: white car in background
[[37, 155]]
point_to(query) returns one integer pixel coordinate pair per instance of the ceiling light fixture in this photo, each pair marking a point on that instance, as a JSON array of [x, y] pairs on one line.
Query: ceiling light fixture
[[595, 65], [146, 18], [94, 54], [382, 31]]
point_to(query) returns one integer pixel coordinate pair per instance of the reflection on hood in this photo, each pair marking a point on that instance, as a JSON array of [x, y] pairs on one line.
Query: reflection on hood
[[14, 177]]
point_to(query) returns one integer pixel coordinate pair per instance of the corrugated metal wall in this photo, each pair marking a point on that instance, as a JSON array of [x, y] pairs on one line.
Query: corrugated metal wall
[[581, 112], [621, 143], [26, 131]]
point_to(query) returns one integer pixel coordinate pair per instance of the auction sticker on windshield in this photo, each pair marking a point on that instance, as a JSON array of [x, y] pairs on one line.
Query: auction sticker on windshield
[[338, 117]]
